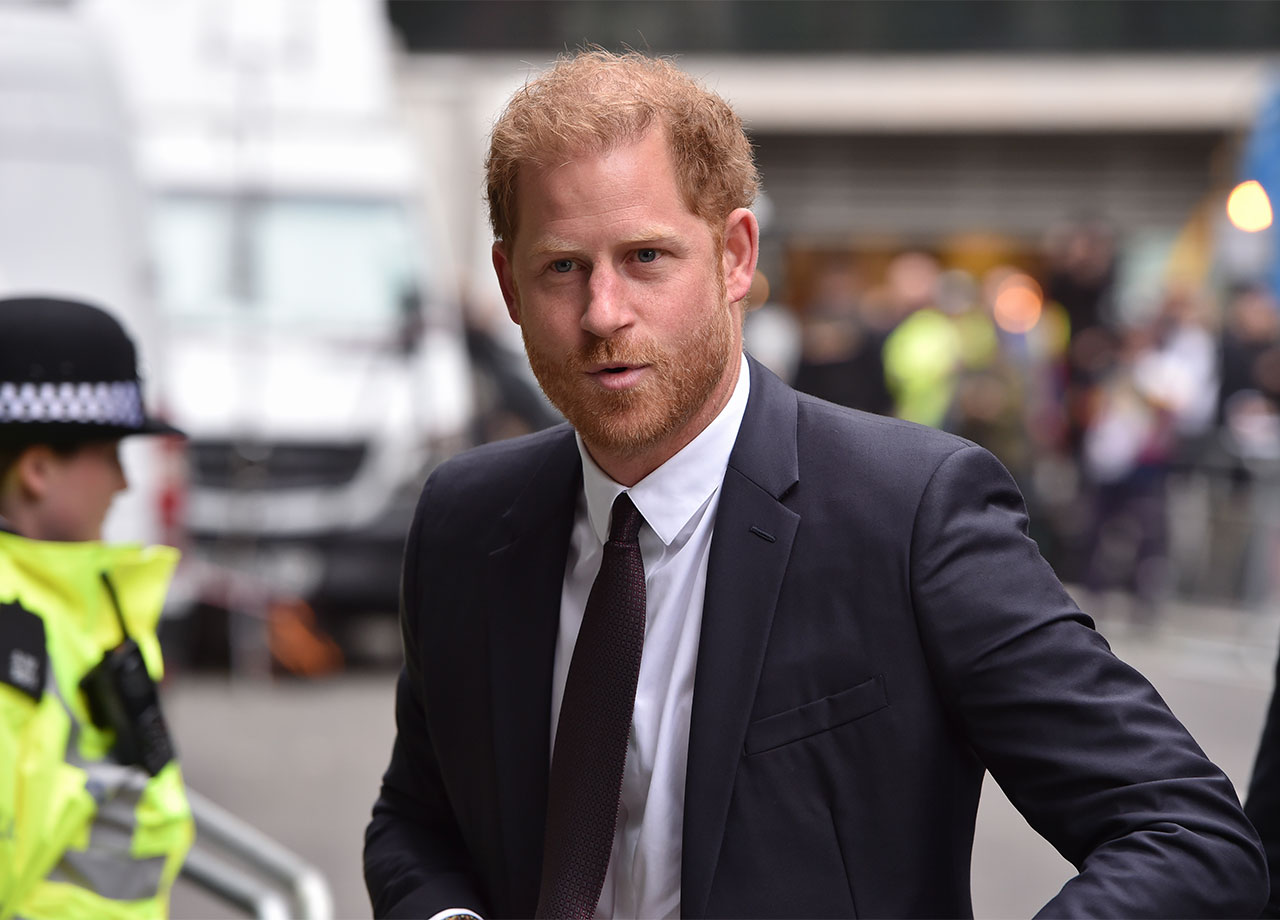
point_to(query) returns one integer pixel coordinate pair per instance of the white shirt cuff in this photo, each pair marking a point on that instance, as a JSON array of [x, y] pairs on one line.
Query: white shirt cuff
[[455, 912]]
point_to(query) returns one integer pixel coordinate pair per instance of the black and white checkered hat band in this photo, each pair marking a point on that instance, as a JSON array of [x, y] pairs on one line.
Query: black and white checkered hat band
[[118, 404]]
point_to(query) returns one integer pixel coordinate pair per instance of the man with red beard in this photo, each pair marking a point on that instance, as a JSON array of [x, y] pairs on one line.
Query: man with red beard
[[716, 648]]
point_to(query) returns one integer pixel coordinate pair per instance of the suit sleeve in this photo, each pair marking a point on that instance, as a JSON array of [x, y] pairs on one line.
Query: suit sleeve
[[415, 861], [1263, 803], [1080, 742]]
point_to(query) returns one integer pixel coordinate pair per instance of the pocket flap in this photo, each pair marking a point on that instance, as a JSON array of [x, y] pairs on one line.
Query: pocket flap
[[818, 716]]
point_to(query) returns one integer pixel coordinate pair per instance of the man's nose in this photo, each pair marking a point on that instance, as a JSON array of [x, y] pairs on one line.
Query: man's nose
[[607, 311]]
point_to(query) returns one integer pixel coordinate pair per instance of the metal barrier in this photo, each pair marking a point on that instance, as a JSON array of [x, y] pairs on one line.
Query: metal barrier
[[1224, 524], [306, 894]]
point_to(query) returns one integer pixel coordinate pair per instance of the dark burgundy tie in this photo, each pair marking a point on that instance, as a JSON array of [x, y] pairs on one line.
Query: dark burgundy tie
[[595, 721]]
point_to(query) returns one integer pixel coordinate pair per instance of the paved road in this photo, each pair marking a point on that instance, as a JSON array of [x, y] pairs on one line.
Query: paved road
[[302, 760]]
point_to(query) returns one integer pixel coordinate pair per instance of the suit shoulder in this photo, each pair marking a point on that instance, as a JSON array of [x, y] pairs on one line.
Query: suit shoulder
[[874, 437], [488, 478], [858, 453]]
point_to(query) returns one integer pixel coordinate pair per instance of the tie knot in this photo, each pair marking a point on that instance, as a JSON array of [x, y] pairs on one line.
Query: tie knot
[[625, 527]]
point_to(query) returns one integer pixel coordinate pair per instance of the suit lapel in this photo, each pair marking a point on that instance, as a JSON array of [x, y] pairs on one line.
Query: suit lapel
[[526, 575], [750, 549]]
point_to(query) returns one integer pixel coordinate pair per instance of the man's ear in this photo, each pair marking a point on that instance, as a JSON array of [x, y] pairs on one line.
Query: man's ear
[[506, 280], [741, 249]]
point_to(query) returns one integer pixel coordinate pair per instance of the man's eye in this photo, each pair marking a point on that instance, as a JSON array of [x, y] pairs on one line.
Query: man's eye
[[561, 266], [646, 255]]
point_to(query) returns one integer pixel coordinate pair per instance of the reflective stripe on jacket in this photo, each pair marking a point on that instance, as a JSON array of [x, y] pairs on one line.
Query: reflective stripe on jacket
[[81, 836]]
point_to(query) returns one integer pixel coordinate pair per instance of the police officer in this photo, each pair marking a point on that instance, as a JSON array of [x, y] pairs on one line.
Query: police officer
[[94, 820]]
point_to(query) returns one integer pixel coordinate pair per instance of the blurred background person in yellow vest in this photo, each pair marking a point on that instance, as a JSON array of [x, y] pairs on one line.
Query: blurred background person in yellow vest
[[94, 819]]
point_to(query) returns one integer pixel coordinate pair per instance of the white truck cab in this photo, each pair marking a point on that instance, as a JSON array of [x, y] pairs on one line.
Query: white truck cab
[[72, 215], [308, 307]]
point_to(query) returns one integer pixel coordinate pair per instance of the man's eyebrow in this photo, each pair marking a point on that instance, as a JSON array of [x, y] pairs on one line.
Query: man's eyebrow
[[551, 244], [655, 233], [645, 236]]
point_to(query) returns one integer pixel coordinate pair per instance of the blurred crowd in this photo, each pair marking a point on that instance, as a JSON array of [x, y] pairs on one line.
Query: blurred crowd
[[1145, 436]]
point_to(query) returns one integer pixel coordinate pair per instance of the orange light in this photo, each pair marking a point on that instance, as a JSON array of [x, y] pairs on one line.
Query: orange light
[[1248, 207], [1018, 304]]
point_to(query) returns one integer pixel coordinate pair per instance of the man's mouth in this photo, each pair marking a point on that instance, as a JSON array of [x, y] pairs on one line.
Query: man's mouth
[[617, 376], [613, 367]]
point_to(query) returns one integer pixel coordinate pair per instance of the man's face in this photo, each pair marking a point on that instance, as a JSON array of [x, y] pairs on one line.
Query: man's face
[[620, 292], [78, 490]]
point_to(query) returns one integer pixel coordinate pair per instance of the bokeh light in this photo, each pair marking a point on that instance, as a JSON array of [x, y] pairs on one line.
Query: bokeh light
[[1248, 207], [1018, 304]]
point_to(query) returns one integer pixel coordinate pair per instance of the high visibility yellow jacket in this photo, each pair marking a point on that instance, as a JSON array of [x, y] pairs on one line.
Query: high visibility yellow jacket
[[82, 837], [921, 357]]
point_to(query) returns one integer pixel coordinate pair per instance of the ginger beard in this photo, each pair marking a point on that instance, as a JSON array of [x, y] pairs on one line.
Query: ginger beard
[[683, 377]]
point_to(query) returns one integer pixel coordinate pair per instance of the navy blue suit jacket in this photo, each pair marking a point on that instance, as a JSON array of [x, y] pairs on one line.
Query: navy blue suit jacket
[[878, 630]]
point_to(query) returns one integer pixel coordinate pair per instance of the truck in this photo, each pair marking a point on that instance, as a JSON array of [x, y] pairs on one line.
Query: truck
[[73, 218], [308, 310]]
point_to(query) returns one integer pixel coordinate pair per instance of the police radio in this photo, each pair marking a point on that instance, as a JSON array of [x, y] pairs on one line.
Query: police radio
[[122, 697]]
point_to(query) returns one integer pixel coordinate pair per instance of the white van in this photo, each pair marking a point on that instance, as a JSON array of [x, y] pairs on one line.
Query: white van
[[71, 215], [309, 314]]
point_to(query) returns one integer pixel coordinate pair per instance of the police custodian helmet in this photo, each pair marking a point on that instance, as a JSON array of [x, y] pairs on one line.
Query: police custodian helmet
[[68, 373]]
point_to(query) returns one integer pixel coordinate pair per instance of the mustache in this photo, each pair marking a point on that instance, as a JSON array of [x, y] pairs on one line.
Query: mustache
[[617, 351]]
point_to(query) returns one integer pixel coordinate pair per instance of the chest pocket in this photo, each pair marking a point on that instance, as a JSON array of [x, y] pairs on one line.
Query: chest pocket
[[819, 716]]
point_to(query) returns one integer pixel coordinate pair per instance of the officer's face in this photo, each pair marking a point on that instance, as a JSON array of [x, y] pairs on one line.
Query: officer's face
[[76, 492]]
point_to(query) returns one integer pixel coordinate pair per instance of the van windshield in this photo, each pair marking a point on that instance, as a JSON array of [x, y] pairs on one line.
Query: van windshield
[[328, 264]]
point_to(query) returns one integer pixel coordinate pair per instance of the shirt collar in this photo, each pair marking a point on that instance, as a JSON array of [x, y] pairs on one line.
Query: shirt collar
[[671, 495]]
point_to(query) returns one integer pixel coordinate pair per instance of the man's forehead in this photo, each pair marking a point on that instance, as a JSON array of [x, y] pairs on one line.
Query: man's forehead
[[546, 195]]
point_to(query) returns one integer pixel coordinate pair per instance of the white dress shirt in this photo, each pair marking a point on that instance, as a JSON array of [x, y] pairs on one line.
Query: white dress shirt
[[678, 501]]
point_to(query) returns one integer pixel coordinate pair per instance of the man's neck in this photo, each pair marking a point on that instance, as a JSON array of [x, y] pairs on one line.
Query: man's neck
[[629, 467]]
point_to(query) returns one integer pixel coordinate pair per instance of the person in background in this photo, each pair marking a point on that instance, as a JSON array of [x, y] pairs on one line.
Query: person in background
[[771, 332], [841, 360], [718, 648], [1250, 411], [94, 820], [1250, 363], [1080, 258], [1157, 400]]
